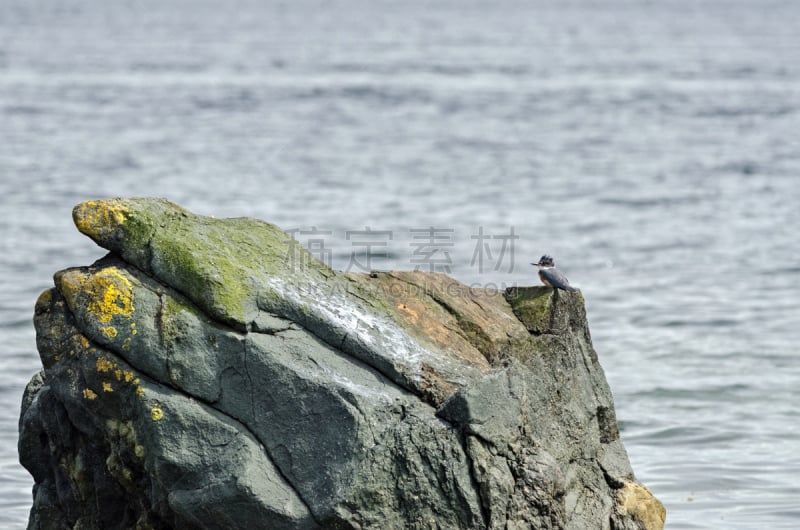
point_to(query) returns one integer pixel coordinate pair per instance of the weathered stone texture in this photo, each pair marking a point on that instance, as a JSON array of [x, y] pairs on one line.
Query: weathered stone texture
[[208, 373]]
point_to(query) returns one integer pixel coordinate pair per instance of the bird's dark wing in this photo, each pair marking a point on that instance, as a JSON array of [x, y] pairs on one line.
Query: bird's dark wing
[[557, 279]]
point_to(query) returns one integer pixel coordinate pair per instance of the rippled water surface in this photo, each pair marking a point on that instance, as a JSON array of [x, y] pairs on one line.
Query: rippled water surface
[[651, 147]]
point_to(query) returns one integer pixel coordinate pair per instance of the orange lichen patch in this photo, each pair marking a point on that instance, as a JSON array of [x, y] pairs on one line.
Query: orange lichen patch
[[107, 387], [414, 315], [99, 218], [468, 323], [441, 330], [88, 393]]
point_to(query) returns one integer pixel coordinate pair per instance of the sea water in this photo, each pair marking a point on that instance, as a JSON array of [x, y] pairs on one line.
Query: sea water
[[651, 147]]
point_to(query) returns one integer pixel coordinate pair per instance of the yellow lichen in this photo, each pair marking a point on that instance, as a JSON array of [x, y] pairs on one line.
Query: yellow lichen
[[88, 393], [636, 501], [84, 341], [156, 413], [104, 365], [45, 297], [111, 293], [99, 218], [106, 295]]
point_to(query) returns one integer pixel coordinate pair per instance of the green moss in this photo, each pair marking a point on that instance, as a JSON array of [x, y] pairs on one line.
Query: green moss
[[143, 523], [532, 306], [121, 473], [216, 263], [219, 264], [170, 321], [474, 333], [123, 432], [74, 469]]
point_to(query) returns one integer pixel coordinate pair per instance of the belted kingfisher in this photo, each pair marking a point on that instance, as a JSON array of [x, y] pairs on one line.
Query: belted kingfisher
[[551, 276]]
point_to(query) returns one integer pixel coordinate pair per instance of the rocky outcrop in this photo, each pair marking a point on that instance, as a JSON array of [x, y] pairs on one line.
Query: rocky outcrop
[[208, 373]]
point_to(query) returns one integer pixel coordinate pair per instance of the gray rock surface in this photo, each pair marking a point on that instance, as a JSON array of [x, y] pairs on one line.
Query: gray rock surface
[[208, 373]]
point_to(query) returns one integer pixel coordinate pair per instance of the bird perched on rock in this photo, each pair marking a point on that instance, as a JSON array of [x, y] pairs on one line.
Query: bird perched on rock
[[551, 276]]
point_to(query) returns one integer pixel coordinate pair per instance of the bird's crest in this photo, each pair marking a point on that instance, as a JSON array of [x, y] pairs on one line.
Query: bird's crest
[[546, 261]]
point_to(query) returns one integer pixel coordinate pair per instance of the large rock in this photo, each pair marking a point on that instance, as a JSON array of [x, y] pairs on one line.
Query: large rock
[[209, 373]]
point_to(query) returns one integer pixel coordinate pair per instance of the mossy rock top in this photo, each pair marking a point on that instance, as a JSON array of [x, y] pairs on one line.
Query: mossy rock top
[[217, 263], [425, 331]]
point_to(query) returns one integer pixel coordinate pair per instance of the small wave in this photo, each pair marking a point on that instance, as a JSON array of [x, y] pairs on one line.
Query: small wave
[[124, 161], [713, 323], [744, 111], [17, 323], [649, 202], [367, 93], [167, 66], [672, 245], [780, 271], [743, 167], [23, 110], [711, 393], [684, 434], [242, 100]]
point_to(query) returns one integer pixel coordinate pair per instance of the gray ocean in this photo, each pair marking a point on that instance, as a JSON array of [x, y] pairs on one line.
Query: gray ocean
[[651, 147]]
